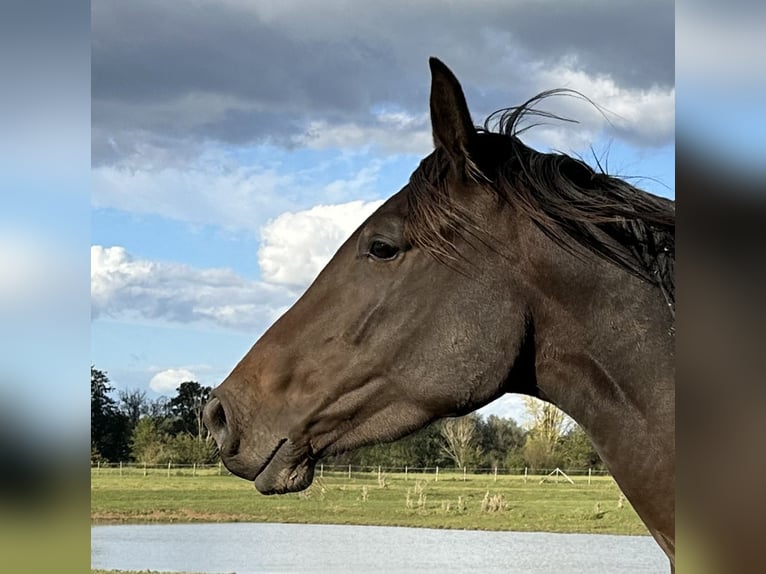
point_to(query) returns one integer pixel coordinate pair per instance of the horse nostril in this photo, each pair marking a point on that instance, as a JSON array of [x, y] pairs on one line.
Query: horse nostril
[[214, 417]]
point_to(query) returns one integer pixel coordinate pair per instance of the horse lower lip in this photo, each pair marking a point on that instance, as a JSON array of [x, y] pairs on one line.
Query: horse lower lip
[[289, 470], [270, 458]]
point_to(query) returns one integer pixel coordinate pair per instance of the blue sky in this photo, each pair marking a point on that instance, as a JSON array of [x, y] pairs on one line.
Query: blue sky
[[234, 147]]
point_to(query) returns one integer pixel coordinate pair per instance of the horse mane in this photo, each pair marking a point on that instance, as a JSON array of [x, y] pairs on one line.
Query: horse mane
[[569, 201]]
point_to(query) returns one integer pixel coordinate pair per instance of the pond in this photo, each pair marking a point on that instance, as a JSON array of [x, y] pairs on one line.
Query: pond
[[248, 548]]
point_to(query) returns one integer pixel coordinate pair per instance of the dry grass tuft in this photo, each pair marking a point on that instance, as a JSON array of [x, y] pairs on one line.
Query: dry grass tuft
[[494, 503]]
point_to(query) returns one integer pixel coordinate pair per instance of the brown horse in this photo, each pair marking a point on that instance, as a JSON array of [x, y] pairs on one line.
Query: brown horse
[[496, 269]]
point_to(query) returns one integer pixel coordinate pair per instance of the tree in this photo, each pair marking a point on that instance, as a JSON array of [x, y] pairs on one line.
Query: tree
[[548, 425], [109, 428], [148, 443], [459, 439], [498, 437], [577, 450], [424, 447], [158, 408], [186, 408], [420, 449], [188, 449], [133, 404]]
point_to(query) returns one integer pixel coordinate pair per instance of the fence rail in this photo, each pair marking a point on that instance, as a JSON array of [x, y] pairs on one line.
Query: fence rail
[[350, 472]]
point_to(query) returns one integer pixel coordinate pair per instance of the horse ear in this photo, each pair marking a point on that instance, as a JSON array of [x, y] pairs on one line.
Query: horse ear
[[450, 119]]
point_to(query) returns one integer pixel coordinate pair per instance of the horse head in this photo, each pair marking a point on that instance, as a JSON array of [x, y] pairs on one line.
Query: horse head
[[410, 321]]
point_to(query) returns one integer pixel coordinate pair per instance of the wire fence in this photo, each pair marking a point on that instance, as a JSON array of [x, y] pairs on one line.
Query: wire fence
[[351, 472]]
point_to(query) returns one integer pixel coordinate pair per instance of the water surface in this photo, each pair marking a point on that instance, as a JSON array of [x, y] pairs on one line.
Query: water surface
[[249, 548]]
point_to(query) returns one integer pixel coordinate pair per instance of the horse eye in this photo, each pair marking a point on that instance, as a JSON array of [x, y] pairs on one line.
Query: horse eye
[[382, 250]]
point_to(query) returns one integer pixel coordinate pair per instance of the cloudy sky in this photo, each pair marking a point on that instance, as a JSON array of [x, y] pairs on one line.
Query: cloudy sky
[[236, 143]]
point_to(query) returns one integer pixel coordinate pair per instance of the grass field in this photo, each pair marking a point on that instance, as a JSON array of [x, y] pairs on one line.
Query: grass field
[[479, 503], [94, 571], [99, 571]]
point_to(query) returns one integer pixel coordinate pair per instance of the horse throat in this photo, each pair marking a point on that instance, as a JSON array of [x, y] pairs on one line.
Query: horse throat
[[602, 369]]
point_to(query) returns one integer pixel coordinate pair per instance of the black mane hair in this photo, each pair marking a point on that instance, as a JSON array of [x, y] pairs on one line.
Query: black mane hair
[[569, 201]]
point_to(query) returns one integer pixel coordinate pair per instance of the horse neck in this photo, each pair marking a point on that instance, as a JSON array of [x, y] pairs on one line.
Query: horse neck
[[604, 355]]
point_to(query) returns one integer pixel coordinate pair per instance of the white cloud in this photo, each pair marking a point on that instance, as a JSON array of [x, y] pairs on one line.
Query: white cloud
[[125, 287], [224, 193], [507, 406], [296, 246], [644, 116], [393, 132], [228, 196], [640, 116], [167, 381]]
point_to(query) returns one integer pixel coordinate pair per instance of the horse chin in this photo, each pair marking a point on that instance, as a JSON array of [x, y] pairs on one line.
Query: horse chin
[[289, 470]]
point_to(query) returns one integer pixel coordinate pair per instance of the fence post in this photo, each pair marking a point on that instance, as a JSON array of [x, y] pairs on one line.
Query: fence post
[[321, 470], [495, 473], [464, 473], [349, 472], [120, 468], [437, 475], [525, 475], [589, 476], [405, 472], [144, 468], [194, 469], [168, 469]]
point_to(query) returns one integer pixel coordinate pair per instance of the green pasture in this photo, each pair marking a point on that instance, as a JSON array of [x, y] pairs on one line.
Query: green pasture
[[99, 571], [96, 571], [480, 502]]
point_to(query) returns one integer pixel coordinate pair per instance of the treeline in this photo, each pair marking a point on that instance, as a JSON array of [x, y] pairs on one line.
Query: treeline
[[475, 442], [131, 427]]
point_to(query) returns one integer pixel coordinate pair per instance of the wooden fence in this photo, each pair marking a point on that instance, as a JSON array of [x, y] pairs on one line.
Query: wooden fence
[[351, 472]]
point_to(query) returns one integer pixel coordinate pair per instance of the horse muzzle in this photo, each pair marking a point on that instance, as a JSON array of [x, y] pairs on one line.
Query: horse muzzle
[[275, 465]]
